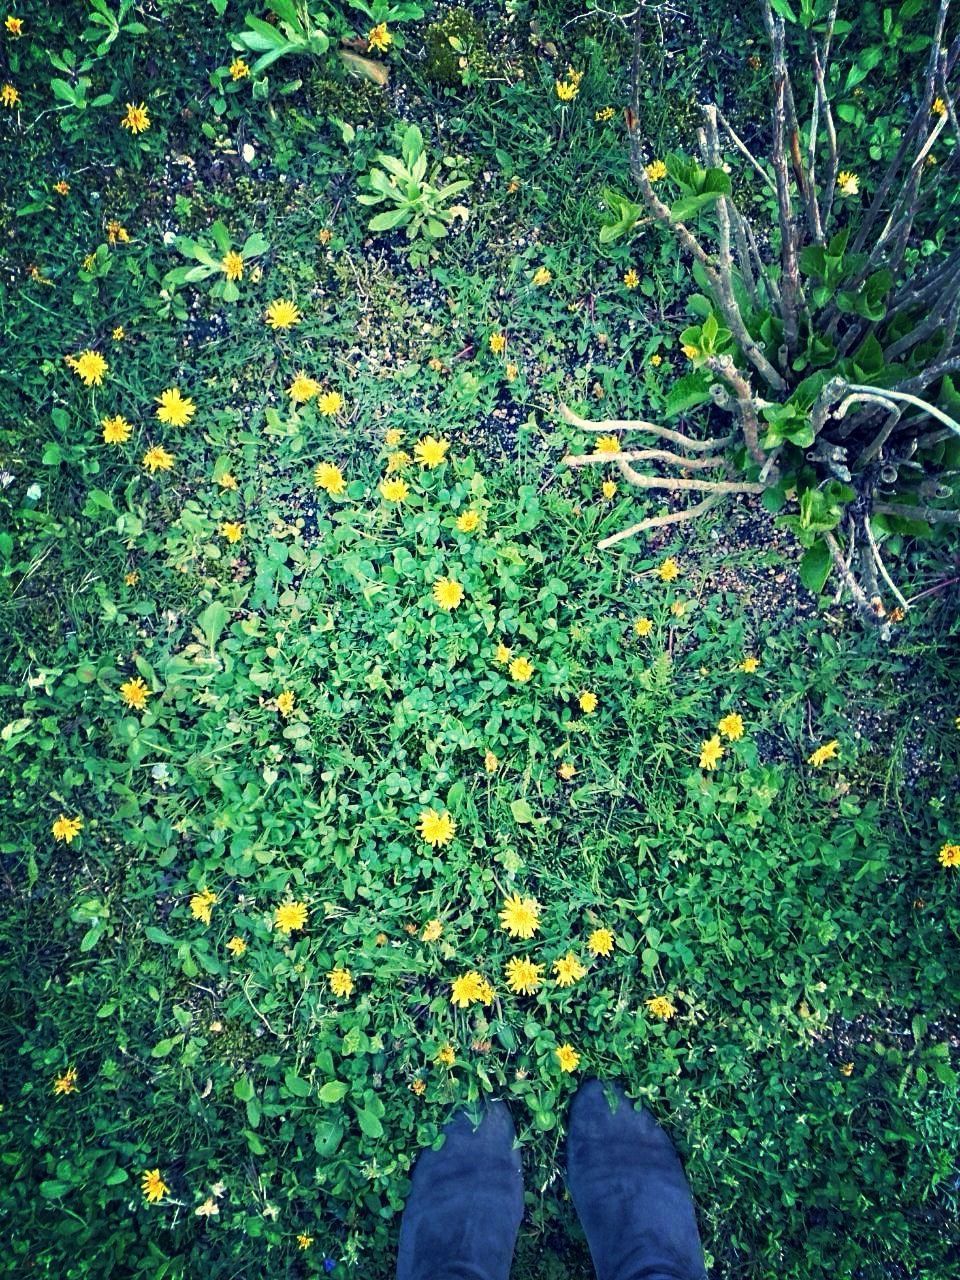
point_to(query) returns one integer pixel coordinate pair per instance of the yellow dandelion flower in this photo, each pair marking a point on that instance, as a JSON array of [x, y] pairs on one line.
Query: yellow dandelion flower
[[822, 754], [116, 430], [468, 521], [600, 942], [239, 69], [157, 459], [938, 107], [379, 38], [498, 343], [62, 188], [290, 916], [848, 183], [448, 593], [137, 119], [131, 578], [711, 753], [329, 403], [436, 827], [604, 114], [655, 170], [468, 989], [398, 460], [568, 970], [520, 917], [286, 701], [660, 1007], [750, 665], [490, 762], [643, 626], [392, 437], [510, 372], [282, 314], [542, 275], [502, 653], [341, 982], [9, 96], [669, 571], [232, 530], [175, 409], [232, 265], [524, 977], [608, 489], [135, 693], [731, 726], [566, 771], [304, 1241], [656, 360], [89, 366], [446, 1055], [303, 388], [949, 855], [521, 670], [430, 452], [153, 1186], [567, 1057], [66, 829], [846, 1068], [395, 490], [329, 477], [66, 1083], [117, 233], [631, 279], [432, 930], [118, 333], [227, 480], [236, 946], [201, 905], [588, 702], [14, 26], [607, 444]]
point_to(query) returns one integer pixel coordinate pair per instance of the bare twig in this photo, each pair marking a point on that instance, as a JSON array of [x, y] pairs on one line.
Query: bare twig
[[864, 607], [610, 425], [724, 367], [658, 522], [705, 463], [881, 566], [742, 146]]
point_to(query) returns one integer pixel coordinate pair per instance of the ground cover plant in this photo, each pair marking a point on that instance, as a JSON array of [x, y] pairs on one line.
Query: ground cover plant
[[346, 779]]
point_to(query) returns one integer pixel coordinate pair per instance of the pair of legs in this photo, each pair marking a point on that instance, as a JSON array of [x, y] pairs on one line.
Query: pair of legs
[[463, 1213]]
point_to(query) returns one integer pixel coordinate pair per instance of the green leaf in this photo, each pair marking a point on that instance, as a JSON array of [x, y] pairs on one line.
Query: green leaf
[[687, 392], [212, 622], [333, 1091], [163, 1047], [815, 567], [369, 1122], [296, 1085], [520, 808]]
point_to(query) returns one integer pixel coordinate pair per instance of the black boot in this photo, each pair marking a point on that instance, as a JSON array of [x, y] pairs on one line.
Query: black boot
[[463, 1213], [630, 1191]]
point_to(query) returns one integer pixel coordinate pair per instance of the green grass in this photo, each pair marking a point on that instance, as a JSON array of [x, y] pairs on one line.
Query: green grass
[[796, 917]]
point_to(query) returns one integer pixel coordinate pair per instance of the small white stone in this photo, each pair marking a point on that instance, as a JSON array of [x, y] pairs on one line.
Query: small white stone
[[248, 153]]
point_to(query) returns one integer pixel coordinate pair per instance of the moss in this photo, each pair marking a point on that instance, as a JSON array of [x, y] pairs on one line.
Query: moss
[[452, 45], [349, 98]]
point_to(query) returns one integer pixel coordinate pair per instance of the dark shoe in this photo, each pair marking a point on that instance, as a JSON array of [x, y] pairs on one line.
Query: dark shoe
[[630, 1191], [463, 1213]]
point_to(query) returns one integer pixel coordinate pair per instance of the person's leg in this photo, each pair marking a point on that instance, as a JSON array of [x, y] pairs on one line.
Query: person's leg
[[463, 1213], [630, 1191]]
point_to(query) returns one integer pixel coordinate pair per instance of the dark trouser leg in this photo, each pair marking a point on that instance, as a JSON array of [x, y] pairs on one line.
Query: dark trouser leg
[[463, 1213], [630, 1191]]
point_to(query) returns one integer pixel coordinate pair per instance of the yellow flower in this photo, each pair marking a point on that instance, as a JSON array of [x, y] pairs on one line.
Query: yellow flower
[[749, 665], [132, 578], [116, 430], [498, 343], [520, 917], [289, 916], [432, 930], [588, 702], [232, 264], [711, 752], [118, 333], [607, 444], [690, 351], [282, 314], [157, 459], [656, 360], [226, 480], [379, 38], [201, 905], [604, 114], [89, 262], [341, 982], [117, 234], [304, 1241], [9, 96], [631, 279], [239, 69], [136, 120], [430, 452], [643, 626], [285, 701], [329, 477], [436, 827], [236, 946], [89, 366], [608, 488], [669, 571], [939, 107], [524, 977], [566, 771], [330, 403], [568, 88], [542, 275], [66, 829], [395, 490], [731, 726], [468, 989], [822, 754], [660, 1007], [62, 188], [232, 530], [846, 1068], [678, 608], [398, 460], [600, 942], [14, 26], [448, 593], [656, 170], [153, 1186], [568, 970], [511, 372], [175, 409], [567, 1057], [468, 521], [490, 762], [392, 437], [521, 669], [848, 183], [418, 1086], [67, 1083], [502, 653], [135, 693], [446, 1055], [303, 388], [949, 855]]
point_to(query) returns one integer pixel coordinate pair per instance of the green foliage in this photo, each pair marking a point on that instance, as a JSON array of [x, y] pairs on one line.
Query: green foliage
[[455, 49]]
